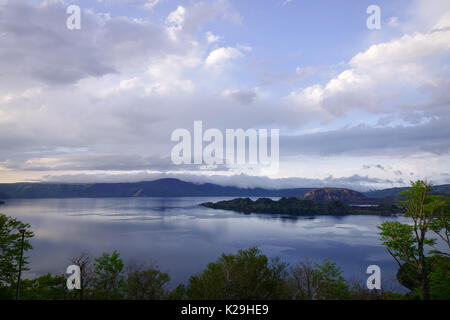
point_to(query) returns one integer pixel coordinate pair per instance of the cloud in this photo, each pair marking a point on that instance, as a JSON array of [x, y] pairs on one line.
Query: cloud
[[218, 58], [363, 140], [190, 19], [108, 162], [175, 21], [150, 4], [211, 38], [103, 46], [107, 97], [243, 96], [378, 166], [377, 77], [356, 182], [222, 55]]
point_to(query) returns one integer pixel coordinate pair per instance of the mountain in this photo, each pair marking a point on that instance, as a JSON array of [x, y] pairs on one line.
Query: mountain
[[158, 188], [178, 188], [335, 194], [443, 189], [393, 196]]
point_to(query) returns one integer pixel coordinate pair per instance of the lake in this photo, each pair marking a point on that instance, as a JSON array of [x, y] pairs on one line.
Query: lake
[[181, 237]]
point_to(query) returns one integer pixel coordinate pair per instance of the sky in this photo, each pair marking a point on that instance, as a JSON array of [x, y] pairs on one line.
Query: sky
[[356, 107]]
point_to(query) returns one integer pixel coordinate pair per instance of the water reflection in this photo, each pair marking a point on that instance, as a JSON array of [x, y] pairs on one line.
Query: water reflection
[[182, 237]]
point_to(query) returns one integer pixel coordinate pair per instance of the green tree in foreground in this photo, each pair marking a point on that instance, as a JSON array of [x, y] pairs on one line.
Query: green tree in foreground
[[146, 283], [10, 247], [440, 279], [317, 282], [406, 242], [46, 287], [438, 267], [108, 279], [329, 282], [441, 224], [246, 275]]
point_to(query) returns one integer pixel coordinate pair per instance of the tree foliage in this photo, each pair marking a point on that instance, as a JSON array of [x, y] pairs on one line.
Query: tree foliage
[[329, 282], [108, 279], [46, 287], [10, 248], [407, 242], [318, 282], [146, 283], [246, 275]]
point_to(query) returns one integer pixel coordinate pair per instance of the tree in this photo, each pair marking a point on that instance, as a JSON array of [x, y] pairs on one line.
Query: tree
[[301, 281], [179, 293], [146, 283], [329, 282], [441, 223], [440, 278], [108, 279], [246, 275], [10, 249], [310, 281], [46, 287], [438, 267], [406, 243]]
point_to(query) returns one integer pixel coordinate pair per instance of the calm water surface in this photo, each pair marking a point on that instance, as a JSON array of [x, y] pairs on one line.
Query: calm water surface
[[181, 237]]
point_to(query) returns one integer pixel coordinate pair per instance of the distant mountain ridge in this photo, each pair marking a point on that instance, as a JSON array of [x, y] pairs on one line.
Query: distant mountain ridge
[[443, 189], [170, 187]]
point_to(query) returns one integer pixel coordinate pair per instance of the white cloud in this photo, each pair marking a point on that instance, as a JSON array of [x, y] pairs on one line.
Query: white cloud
[[218, 58], [175, 22], [377, 77], [189, 19], [177, 17], [168, 71], [211, 38], [221, 55]]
